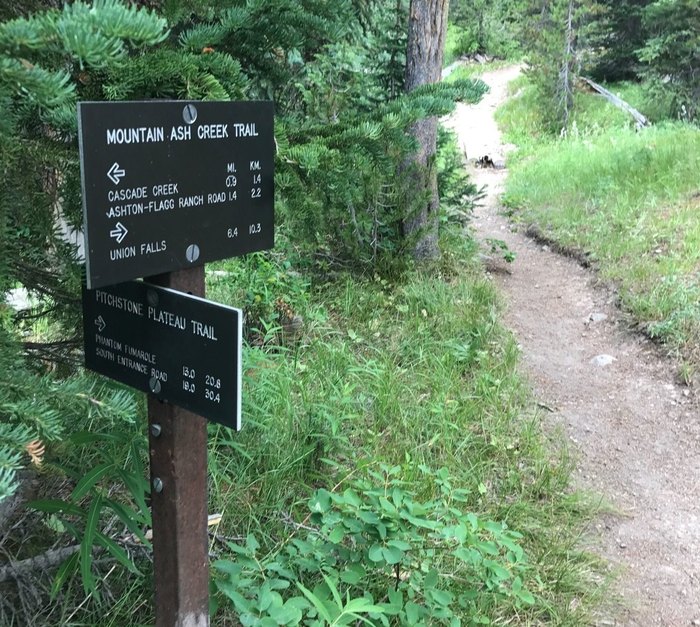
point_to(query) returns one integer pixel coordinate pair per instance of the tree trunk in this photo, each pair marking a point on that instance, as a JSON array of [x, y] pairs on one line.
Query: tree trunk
[[566, 75], [427, 26]]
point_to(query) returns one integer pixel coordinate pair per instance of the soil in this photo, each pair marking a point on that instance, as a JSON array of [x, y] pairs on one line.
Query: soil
[[633, 428]]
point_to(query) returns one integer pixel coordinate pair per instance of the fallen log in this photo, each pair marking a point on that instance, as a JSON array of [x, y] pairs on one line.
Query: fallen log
[[640, 119], [45, 561], [53, 557]]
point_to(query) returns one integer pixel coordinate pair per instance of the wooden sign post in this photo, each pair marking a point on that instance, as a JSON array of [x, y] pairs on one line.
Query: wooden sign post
[[178, 452]]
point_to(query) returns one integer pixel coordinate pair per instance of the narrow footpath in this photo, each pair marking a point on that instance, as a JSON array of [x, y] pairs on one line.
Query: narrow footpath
[[634, 432]]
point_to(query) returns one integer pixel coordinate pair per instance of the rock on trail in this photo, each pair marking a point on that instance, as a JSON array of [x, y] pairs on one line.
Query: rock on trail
[[634, 431]]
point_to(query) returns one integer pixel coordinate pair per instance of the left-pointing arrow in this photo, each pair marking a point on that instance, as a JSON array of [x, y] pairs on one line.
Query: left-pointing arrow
[[119, 232], [115, 173], [101, 324]]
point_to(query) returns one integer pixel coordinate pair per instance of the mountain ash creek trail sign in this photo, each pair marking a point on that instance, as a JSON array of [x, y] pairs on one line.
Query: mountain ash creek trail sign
[[167, 187]]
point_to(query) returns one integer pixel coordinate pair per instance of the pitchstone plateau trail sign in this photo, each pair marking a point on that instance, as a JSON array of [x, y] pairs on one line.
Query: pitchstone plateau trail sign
[[168, 185], [181, 348]]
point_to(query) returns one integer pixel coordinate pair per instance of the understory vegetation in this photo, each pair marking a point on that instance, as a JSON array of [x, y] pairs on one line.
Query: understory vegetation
[[402, 407], [391, 469], [627, 198]]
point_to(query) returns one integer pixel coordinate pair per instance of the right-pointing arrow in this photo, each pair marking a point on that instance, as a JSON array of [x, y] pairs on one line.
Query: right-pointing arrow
[[101, 324], [119, 232]]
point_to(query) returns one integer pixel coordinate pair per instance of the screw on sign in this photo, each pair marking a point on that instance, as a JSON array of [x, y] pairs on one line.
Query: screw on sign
[[189, 114], [192, 253]]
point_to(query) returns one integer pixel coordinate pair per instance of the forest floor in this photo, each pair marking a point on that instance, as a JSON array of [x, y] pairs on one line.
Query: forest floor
[[633, 429]]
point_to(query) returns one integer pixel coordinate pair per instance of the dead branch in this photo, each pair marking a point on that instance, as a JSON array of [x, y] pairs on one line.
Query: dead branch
[[44, 561], [641, 120]]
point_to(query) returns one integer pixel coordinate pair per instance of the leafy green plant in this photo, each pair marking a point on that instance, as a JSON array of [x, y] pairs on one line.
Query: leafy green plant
[[376, 553], [92, 510], [38, 408], [498, 246]]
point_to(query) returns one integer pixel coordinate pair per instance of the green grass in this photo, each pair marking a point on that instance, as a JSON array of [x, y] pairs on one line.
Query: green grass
[[629, 199], [416, 374], [475, 70]]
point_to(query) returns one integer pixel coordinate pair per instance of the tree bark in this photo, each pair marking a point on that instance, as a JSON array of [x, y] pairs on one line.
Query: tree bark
[[427, 26], [566, 74]]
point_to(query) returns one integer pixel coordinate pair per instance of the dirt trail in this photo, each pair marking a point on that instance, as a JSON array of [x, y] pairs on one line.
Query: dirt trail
[[635, 432]]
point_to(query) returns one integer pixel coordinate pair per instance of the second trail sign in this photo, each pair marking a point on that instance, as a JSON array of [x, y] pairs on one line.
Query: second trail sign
[[182, 349]]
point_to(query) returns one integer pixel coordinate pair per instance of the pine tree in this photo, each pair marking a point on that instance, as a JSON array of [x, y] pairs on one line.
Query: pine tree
[[43, 60], [555, 33], [671, 55], [340, 141], [616, 38]]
